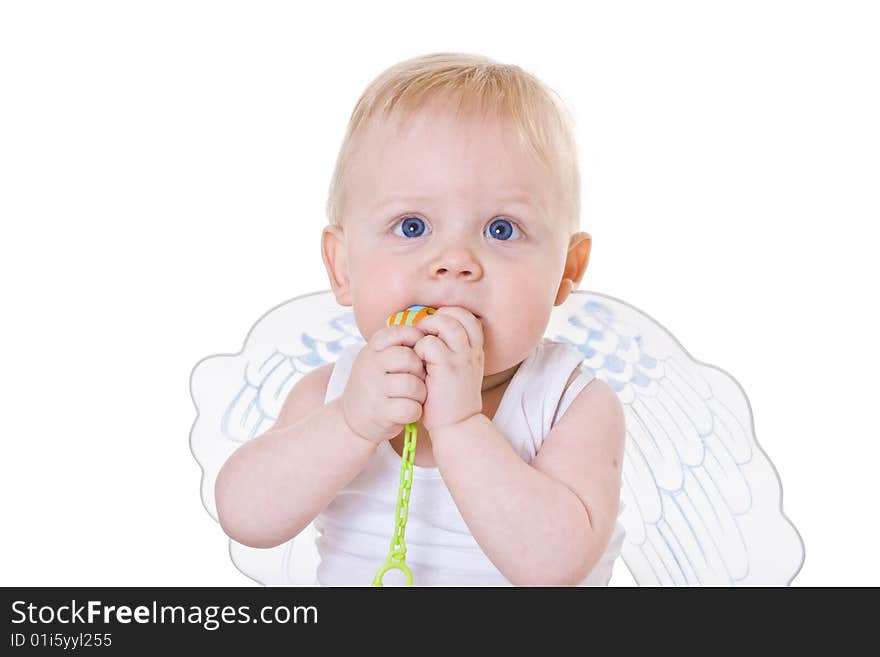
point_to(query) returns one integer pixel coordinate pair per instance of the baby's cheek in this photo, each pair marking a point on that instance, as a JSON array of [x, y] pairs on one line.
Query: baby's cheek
[[515, 331], [379, 289]]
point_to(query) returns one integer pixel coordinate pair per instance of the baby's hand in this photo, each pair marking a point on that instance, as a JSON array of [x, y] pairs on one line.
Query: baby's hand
[[386, 387], [453, 353]]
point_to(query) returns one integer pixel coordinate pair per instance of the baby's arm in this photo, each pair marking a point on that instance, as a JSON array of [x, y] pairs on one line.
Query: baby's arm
[[545, 523], [274, 485]]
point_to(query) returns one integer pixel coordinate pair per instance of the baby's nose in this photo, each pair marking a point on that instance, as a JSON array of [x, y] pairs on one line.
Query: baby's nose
[[458, 265]]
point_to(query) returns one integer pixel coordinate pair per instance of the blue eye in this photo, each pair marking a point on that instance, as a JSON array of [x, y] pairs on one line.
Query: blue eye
[[502, 229], [412, 227]]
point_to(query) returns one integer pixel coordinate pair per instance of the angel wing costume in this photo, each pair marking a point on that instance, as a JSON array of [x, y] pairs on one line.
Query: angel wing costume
[[702, 503]]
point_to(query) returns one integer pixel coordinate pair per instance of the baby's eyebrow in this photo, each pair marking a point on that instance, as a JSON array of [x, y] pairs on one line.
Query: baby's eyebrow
[[512, 199], [402, 199], [520, 199]]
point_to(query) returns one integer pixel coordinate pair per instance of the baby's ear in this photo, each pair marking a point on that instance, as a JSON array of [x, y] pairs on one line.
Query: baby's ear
[[333, 252], [576, 261]]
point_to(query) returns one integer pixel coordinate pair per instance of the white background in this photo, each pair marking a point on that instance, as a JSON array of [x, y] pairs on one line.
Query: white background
[[163, 172]]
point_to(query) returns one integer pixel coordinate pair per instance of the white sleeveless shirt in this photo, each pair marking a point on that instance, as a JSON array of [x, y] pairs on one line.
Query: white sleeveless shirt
[[354, 530]]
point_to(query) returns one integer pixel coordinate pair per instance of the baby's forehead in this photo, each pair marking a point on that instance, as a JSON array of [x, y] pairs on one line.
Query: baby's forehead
[[406, 122], [409, 146], [414, 143], [437, 152]]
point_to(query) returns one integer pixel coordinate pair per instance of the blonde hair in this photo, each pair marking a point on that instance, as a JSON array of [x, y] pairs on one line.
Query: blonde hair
[[499, 90]]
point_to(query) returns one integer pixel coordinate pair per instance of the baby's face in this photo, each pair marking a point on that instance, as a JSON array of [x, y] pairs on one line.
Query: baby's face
[[454, 212]]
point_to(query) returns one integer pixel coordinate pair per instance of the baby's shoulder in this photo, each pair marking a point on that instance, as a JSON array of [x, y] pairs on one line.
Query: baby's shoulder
[[307, 394], [594, 397], [562, 360]]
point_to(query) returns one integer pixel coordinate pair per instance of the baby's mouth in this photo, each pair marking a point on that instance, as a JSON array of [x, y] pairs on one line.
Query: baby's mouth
[[441, 305]]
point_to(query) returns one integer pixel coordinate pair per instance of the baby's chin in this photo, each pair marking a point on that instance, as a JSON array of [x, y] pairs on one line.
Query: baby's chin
[[495, 363]]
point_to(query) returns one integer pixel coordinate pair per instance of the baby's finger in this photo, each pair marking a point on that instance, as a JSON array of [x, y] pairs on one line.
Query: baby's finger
[[472, 326], [447, 328], [402, 359], [430, 349], [405, 385], [404, 411], [395, 335]]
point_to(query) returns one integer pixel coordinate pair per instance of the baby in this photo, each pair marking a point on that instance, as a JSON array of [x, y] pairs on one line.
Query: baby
[[456, 187]]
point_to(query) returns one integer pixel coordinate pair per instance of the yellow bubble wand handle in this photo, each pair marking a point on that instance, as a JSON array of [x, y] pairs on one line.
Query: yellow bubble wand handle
[[396, 559]]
